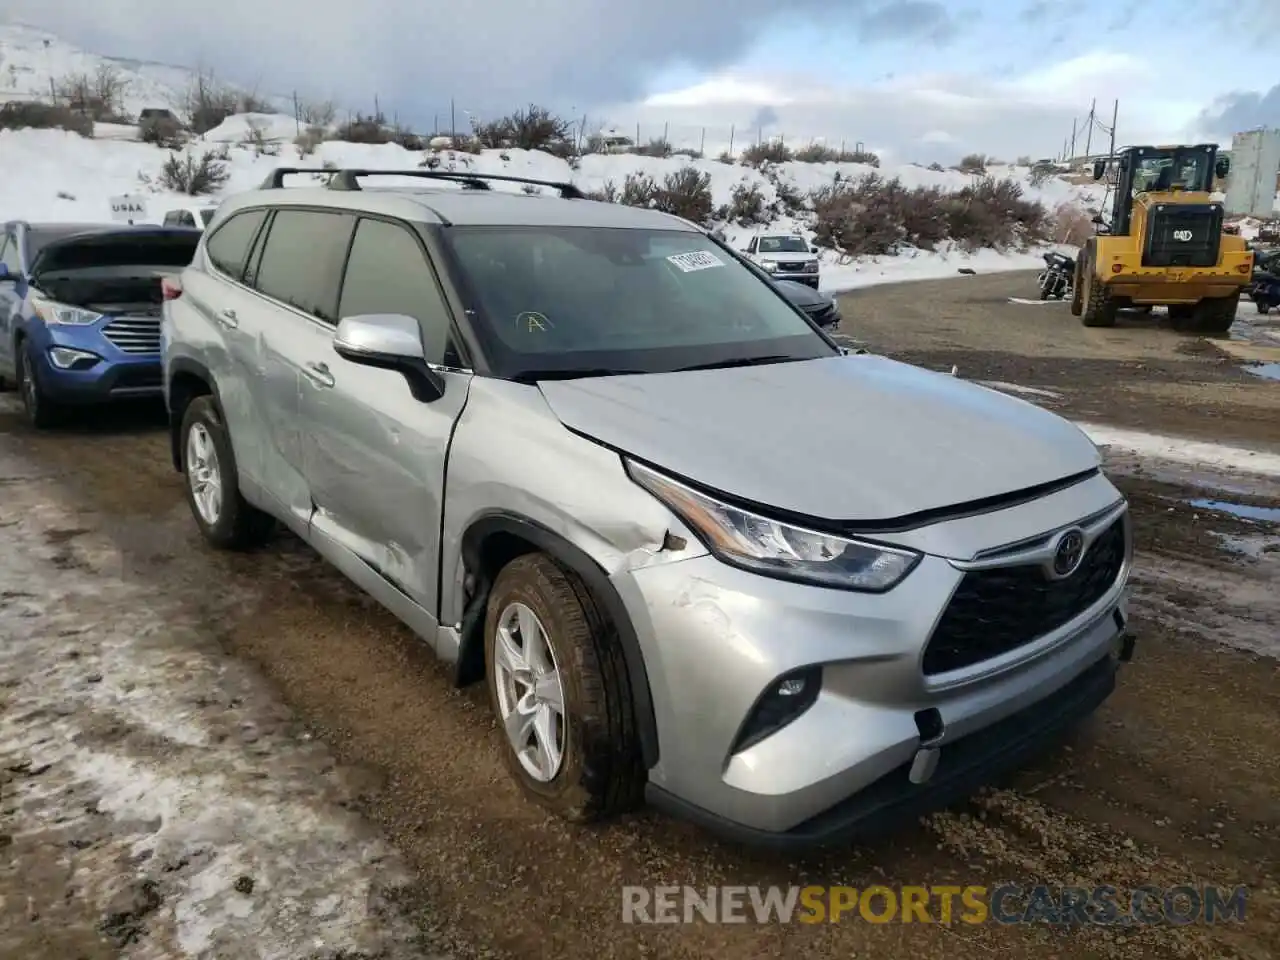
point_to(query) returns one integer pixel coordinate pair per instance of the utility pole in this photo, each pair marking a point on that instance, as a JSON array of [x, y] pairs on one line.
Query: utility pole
[[731, 130], [1073, 137], [453, 119], [1088, 141], [1115, 115]]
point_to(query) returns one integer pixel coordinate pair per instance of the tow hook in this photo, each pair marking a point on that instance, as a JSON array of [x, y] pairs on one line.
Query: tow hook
[[1125, 640]]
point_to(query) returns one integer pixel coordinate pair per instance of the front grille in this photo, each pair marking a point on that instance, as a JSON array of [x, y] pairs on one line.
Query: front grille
[[134, 334], [1183, 235], [997, 610]]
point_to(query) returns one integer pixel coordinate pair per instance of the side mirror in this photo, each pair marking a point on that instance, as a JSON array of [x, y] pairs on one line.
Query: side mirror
[[1097, 218], [1222, 167], [389, 341], [813, 248], [1099, 168]]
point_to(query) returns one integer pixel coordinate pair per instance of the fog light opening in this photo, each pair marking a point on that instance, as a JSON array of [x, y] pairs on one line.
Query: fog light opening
[[782, 703]]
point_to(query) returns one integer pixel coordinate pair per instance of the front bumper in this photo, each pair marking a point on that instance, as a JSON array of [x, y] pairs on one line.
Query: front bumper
[[116, 375], [715, 638], [958, 769]]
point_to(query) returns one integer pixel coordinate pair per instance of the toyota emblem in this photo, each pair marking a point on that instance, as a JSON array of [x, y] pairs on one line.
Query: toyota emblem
[[1067, 553]]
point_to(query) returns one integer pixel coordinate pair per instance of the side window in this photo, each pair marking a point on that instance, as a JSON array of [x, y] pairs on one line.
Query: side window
[[388, 273], [171, 219], [228, 246], [751, 247], [185, 219], [301, 264], [9, 253]]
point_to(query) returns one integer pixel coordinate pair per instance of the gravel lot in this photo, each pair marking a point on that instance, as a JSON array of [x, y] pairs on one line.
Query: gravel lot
[[203, 755]]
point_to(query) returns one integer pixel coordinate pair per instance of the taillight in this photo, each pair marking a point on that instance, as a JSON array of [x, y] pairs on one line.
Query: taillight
[[170, 289]]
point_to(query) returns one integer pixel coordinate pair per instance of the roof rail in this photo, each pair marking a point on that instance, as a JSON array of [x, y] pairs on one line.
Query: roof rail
[[347, 180], [275, 180]]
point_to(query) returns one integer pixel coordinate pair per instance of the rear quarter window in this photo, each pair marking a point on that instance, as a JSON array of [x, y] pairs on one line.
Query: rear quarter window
[[228, 246]]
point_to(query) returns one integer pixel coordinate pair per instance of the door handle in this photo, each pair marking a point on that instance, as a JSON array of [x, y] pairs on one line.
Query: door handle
[[318, 373], [228, 318]]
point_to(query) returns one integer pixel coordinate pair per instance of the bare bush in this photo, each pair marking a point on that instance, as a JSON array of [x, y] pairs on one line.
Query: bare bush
[[656, 147], [820, 153], [972, 163], [872, 215], [321, 113], [937, 168], [161, 129], [1041, 173], [1071, 225], [725, 157], [309, 140], [686, 193], [790, 200], [993, 213], [608, 193], [533, 128], [256, 139], [20, 115], [767, 151], [638, 190], [195, 176], [746, 204], [99, 95], [364, 129], [689, 152]]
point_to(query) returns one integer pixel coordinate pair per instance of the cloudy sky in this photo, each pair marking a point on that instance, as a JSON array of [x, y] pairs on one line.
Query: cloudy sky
[[922, 80]]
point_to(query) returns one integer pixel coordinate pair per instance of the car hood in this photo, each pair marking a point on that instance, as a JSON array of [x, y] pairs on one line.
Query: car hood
[[802, 295], [851, 438]]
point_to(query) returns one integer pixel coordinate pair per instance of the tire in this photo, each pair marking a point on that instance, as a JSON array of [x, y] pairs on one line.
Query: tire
[[1077, 289], [41, 413], [1216, 316], [1099, 306], [599, 773], [235, 524], [1182, 316]]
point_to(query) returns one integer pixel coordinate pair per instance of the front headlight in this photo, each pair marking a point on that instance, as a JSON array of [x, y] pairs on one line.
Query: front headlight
[[778, 549], [770, 265], [50, 311]]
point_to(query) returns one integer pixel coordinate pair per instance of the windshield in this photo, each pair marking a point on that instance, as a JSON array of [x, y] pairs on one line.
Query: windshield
[[553, 301], [783, 245], [1182, 169]]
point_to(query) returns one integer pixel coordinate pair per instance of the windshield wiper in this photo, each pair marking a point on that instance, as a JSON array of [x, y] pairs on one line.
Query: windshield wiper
[[740, 362], [533, 376]]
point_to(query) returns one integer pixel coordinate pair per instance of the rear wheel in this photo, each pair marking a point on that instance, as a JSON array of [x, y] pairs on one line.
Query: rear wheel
[[560, 692], [1217, 315], [1181, 316], [224, 517], [1099, 305]]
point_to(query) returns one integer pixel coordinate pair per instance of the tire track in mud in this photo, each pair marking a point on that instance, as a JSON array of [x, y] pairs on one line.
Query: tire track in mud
[[494, 874]]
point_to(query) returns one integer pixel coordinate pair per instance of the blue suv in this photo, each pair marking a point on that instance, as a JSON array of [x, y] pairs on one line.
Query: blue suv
[[80, 311]]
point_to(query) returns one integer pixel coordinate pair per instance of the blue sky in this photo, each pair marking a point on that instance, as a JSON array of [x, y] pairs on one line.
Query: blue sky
[[921, 80]]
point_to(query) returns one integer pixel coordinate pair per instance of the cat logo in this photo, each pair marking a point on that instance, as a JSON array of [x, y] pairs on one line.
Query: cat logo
[[1182, 236]]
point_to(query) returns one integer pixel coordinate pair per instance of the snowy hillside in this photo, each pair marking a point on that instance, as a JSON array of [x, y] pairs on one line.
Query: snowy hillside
[[65, 177], [31, 60]]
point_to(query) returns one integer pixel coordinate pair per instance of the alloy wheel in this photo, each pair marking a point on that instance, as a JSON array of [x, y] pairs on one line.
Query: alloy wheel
[[203, 473], [530, 692]]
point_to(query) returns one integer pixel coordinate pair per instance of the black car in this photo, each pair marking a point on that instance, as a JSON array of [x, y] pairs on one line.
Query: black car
[[821, 307]]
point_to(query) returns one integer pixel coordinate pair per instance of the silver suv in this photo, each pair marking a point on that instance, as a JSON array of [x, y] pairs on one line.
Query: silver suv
[[574, 446]]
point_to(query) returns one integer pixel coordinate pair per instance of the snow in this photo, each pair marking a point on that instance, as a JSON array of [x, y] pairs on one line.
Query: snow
[[1179, 450], [32, 59], [65, 177]]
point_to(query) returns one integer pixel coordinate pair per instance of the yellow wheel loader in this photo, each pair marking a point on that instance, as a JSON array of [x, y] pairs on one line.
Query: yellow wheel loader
[[1163, 243]]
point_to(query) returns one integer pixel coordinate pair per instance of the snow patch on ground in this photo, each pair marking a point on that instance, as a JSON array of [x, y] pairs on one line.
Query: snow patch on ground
[[163, 777], [1196, 454]]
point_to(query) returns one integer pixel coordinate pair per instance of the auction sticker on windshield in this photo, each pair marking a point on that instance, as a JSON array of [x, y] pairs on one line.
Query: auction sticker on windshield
[[697, 260]]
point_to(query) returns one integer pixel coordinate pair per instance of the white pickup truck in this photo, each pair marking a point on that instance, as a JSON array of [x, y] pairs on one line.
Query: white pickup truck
[[785, 257]]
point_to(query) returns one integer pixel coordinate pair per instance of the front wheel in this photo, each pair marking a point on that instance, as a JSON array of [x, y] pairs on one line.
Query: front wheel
[[224, 517], [41, 412], [560, 692]]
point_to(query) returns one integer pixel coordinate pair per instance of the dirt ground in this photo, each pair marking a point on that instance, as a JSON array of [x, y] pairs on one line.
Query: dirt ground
[[318, 716]]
